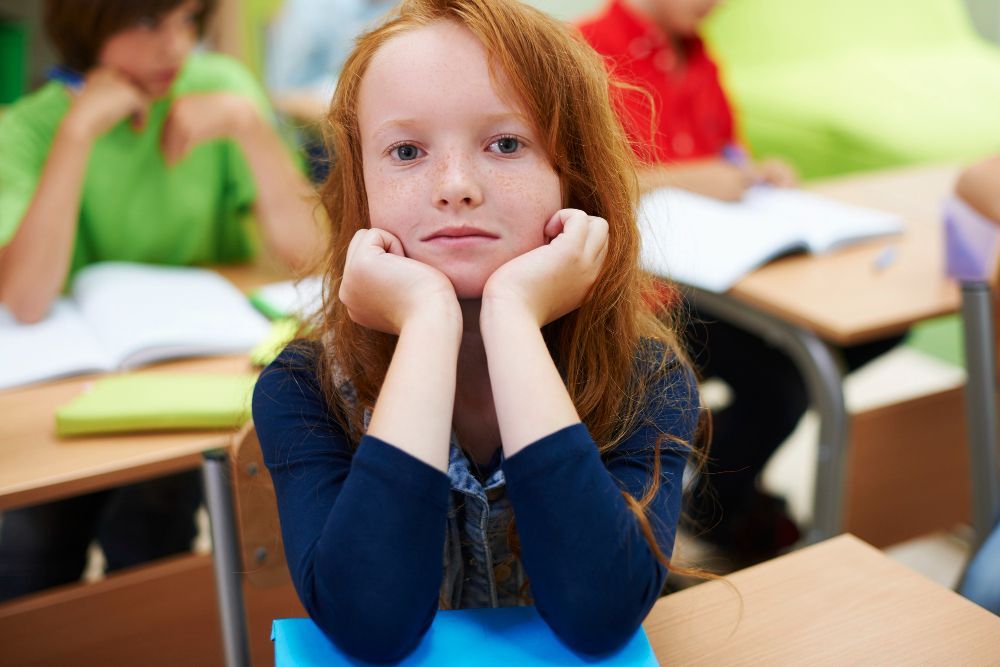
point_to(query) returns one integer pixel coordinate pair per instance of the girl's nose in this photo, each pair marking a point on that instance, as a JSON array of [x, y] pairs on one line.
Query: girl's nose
[[457, 183]]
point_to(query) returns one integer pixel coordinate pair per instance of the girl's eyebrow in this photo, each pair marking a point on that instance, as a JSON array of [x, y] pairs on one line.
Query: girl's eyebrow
[[388, 126]]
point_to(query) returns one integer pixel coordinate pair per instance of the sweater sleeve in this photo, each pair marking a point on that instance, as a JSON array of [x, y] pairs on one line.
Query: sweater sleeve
[[593, 575], [363, 529]]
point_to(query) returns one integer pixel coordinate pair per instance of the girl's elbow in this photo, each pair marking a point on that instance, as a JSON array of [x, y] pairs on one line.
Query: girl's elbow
[[371, 636], [597, 635]]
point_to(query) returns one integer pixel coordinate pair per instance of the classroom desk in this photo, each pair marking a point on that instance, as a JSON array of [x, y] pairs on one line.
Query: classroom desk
[[38, 466], [840, 602], [804, 303]]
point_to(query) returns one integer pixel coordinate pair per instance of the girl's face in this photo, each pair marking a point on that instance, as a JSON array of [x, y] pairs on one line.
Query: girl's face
[[452, 167], [152, 52]]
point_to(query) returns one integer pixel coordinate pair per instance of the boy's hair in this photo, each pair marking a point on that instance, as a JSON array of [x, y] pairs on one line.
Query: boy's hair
[[79, 28], [614, 347]]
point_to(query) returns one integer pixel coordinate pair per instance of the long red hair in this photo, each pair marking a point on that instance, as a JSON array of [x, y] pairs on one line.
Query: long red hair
[[603, 348]]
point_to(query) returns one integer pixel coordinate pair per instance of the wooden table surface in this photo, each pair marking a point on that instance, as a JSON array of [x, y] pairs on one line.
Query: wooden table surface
[[842, 296], [839, 602], [36, 465]]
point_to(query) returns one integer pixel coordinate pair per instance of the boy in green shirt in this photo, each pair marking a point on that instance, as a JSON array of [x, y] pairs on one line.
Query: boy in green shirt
[[152, 154], [158, 155]]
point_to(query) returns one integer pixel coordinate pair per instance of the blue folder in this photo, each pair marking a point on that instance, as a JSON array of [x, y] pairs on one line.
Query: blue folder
[[505, 637]]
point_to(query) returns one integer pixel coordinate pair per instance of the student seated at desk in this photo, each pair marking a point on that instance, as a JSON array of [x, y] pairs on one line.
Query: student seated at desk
[[307, 44], [490, 414], [675, 92], [140, 150]]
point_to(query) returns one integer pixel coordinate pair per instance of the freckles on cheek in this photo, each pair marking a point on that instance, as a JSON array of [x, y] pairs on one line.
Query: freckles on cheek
[[390, 201]]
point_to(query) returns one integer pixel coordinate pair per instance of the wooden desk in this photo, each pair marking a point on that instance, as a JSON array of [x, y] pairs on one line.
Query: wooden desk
[[840, 602], [841, 296], [804, 303], [37, 466]]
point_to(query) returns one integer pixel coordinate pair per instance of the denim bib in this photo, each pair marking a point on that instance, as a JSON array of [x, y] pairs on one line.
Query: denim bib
[[479, 568]]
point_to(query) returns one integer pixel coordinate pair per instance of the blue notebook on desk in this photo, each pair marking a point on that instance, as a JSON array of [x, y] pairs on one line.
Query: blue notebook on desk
[[506, 637]]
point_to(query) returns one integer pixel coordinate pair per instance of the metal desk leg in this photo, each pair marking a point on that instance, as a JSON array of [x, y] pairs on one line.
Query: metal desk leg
[[823, 378], [980, 407], [226, 558]]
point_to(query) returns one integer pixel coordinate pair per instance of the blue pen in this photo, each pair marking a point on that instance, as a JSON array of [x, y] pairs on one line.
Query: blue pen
[[735, 154], [885, 258], [66, 76]]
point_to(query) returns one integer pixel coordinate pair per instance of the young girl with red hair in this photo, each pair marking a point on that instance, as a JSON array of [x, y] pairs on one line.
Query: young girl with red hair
[[486, 412]]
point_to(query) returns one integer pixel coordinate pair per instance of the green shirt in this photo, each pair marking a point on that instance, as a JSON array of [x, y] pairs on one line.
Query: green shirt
[[133, 206]]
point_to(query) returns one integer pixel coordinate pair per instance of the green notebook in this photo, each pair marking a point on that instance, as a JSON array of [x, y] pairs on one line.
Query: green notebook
[[158, 402]]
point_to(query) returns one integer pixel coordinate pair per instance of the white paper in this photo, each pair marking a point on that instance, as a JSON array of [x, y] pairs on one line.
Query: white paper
[[59, 345], [711, 244], [294, 298], [121, 315]]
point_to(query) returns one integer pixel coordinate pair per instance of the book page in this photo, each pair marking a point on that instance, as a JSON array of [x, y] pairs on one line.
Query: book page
[[705, 242], [711, 244], [824, 223], [58, 346], [144, 313]]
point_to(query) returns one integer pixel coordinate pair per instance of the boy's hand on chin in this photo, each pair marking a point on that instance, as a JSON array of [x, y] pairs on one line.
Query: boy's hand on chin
[[107, 97], [200, 117], [553, 280], [383, 289]]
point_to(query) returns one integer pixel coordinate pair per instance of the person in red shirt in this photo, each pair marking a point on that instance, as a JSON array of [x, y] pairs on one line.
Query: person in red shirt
[[682, 129], [674, 108]]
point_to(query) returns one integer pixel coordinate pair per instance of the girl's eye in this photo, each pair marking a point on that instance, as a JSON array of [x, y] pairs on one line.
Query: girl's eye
[[406, 152], [505, 145], [147, 22]]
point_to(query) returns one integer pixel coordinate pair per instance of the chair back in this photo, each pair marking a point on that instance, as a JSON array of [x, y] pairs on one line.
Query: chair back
[[257, 514]]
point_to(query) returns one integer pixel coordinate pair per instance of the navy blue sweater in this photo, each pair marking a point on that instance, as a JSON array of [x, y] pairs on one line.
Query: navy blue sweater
[[363, 526]]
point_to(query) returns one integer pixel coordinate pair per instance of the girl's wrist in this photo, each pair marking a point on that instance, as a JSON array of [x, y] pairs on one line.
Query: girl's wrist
[[439, 319], [499, 313]]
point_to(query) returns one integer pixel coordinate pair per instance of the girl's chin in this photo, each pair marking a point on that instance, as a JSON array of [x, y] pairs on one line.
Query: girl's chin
[[467, 289]]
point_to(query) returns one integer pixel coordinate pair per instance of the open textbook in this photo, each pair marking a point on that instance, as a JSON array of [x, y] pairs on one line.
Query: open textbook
[[711, 244], [120, 315]]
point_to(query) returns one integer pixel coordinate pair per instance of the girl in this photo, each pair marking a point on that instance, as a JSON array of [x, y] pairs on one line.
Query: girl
[[489, 414]]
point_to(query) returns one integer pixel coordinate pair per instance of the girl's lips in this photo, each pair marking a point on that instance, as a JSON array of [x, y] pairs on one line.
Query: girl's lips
[[458, 235], [461, 241]]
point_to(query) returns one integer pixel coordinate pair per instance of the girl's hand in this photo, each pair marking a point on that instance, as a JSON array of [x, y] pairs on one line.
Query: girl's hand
[[550, 281], [106, 98], [383, 289], [197, 118]]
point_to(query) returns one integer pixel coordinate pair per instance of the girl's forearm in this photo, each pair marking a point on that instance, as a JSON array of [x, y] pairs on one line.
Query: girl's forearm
[[529, 394], [414, 407], [287, 208], [36, 261]]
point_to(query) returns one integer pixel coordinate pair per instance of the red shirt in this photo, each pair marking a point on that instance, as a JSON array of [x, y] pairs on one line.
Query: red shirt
[[690, 116]]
